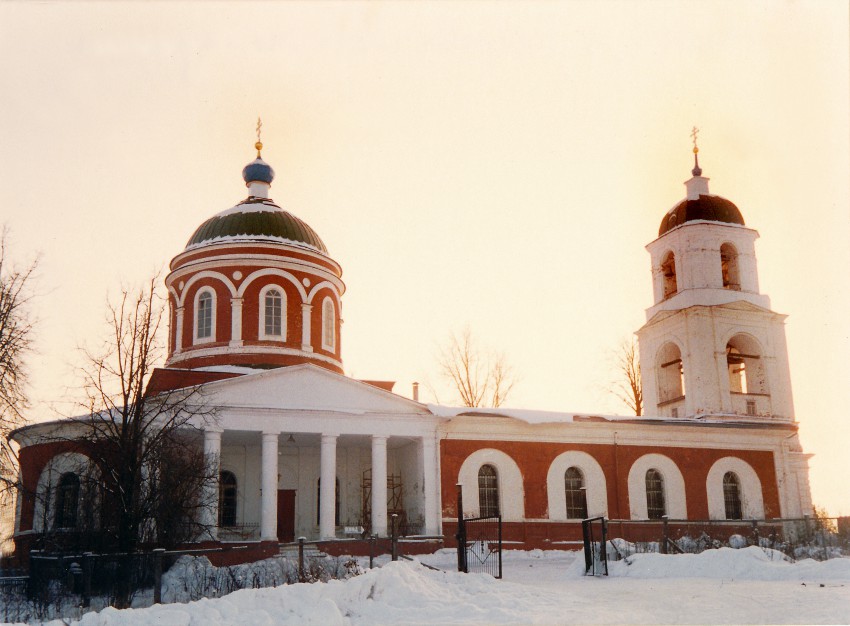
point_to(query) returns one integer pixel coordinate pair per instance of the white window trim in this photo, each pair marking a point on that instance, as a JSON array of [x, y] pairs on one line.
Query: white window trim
[[594, 484], [752, 499], [283, 317], [211, 338], [330, 346], [511, 490], [48, 481], [674, 486]]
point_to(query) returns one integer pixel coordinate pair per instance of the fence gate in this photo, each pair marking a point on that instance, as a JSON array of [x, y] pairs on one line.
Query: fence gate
[[481, 542], [594, 531]]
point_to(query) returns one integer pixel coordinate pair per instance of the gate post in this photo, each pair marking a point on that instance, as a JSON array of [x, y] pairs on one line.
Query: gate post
[[301, 558], [87, 570], [665, 534], [461, 531], [157, 575], [394, 549]]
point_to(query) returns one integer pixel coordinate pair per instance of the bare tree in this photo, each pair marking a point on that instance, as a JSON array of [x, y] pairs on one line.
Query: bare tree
[[628, 387], [480, 377], [15, 342], [147, 448]]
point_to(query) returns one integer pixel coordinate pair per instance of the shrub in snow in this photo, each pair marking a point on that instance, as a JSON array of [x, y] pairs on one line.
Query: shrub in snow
[[737, 542], [194, 577]]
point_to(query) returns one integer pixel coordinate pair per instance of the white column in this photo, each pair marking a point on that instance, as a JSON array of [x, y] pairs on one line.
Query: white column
[[306, 344], [268, 518], [178, 341], [327, 525], [379, 485], [235, 322], [430, 485], [212, 454]]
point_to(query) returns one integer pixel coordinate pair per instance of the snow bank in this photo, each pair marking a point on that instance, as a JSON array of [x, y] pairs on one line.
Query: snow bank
[[751, 563], [748, 586]]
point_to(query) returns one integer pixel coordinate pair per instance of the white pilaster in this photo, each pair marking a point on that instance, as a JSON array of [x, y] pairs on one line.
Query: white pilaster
[[268, 523], [379, 485], [327, 493], [212, 454], [235, 322], [430, 485], [305, 327], [178, 338]]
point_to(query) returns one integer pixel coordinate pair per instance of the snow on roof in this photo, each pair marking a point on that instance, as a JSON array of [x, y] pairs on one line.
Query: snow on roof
[[531, 416], [231, 369], [264, 206]]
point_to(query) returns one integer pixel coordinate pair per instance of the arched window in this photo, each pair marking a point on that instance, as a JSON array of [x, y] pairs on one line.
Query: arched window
[[227, 499], [576, 494], [319, 503], [729, 267], [204, 316], [656, 507], [328, 325], [273, 314], [671, 373], [488, 491], [67, 501], [668, 275], [732, 495]]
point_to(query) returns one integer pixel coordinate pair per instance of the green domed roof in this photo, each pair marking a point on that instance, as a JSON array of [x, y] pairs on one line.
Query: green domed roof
[[256, 219]]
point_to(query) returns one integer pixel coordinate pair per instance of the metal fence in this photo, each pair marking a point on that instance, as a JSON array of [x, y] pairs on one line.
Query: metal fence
[[797, 538], [480, 541]]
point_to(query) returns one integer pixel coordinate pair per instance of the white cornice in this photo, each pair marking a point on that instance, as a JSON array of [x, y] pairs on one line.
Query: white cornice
[[192, 353]]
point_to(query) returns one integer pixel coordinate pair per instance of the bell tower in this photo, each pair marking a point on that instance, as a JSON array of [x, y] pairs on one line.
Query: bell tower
[[711, 344]]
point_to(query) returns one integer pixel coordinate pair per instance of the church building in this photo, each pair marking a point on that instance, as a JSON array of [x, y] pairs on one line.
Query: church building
[[255, 303]]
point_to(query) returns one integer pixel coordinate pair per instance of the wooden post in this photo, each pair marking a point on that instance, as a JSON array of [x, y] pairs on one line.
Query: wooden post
[[665, 535]]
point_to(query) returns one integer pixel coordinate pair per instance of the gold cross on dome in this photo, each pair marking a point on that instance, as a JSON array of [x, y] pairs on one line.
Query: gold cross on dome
[[259, 144], [694, 134]]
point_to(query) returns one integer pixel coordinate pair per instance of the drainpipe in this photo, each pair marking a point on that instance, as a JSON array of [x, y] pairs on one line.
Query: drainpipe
[[616, 478]]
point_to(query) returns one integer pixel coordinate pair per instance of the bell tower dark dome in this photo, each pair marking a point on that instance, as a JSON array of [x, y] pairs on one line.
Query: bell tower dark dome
[[704, 207], [699, 205]]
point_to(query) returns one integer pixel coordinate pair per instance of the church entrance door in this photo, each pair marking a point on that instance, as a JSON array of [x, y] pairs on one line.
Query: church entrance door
[[286, 515]]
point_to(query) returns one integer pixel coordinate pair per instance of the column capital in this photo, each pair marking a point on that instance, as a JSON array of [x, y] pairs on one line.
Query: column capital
[[271, 434], [329, 438]]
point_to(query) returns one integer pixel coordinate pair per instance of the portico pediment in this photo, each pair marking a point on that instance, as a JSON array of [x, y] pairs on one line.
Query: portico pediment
[[307, 388]]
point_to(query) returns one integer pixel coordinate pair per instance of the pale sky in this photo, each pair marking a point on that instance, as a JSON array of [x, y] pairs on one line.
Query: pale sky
[[495, 164]]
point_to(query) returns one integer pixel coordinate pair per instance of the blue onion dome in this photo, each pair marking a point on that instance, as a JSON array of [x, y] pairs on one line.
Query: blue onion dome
[[257, 218], [258, 171]]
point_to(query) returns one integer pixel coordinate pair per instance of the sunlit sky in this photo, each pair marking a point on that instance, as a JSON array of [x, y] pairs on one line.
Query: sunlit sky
[[494, 164]]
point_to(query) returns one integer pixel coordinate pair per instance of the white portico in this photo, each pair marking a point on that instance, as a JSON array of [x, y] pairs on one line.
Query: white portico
[[280, 436]]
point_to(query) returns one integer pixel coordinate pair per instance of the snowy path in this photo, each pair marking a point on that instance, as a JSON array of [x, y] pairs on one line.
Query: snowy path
[[719, 587]]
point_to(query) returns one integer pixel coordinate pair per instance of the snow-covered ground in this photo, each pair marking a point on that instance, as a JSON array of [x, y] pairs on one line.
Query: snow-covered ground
[[725, 586]]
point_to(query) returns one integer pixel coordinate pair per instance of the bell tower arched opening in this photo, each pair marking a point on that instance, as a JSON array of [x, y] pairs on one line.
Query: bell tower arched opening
[[747, 377], [729, 267], [671, 380], [668, 275]]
